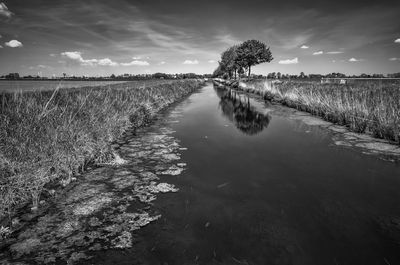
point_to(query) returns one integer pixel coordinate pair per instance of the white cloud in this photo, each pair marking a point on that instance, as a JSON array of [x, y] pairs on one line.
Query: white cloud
[[191, 62], [77, 56], [41, 66], [318, 53], [136, 57], [52, 55], [1, 36], [4, 10], [211, 61], [136, 62], [161, 63], [107, 62], [304, 47], [1, 46], [335, 52], [355, 60], [394, 59], [90, 62], [397, 40], [289, 61], [73, 55], [14, 44]]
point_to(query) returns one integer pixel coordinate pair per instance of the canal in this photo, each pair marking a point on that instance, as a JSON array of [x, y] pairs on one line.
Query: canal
[[263, 188]]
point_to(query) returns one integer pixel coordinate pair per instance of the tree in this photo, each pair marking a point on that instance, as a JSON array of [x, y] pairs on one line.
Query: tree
[[228, 60], [240, 71], [217, 72], [252, 52]]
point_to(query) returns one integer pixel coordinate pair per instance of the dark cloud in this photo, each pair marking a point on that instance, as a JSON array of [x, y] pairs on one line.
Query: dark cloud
[[177, 31]]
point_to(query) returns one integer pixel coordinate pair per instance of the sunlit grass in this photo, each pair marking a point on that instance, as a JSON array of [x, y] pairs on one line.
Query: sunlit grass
[[365, 107], [50, 136]]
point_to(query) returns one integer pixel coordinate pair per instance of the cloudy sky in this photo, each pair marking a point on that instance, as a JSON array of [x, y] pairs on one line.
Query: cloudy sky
[[146, 36]]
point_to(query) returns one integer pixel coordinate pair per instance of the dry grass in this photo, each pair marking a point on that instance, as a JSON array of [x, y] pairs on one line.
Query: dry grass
[[50, 136], [364, 107]]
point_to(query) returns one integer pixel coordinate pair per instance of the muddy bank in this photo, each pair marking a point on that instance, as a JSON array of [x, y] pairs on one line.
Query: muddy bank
[[343, 135]]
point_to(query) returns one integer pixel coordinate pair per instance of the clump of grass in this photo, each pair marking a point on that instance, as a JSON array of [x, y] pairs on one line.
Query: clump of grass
[[364, 107], [53, 135]]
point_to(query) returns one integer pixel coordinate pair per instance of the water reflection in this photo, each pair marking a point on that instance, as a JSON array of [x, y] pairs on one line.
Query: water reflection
[[238, 110]]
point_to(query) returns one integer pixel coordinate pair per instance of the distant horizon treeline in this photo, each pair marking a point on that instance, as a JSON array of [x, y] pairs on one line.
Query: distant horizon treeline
[[158, 75], [238, 58], [302, 75]]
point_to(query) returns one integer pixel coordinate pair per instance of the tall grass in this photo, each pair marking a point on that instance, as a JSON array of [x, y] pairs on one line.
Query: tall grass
[[365, 107], [50, 136]]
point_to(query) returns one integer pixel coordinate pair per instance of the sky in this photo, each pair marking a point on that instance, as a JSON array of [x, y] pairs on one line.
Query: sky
[[104, 37]]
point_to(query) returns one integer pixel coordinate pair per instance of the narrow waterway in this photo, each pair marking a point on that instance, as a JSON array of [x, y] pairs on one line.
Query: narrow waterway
[[225, 179], [263, 188]]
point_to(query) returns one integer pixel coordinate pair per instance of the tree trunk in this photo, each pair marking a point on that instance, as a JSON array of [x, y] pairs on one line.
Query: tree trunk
[[249, 70], [235, 74]]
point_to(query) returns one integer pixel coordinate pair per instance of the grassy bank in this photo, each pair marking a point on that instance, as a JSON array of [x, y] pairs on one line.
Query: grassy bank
[[364, 107], [50, 136]]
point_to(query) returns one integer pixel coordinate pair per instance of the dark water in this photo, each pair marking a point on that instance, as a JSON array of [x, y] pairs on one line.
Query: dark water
[[261, 188]]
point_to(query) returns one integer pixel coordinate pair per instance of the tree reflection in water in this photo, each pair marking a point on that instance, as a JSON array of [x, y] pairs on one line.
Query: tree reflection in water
[[239, 111]]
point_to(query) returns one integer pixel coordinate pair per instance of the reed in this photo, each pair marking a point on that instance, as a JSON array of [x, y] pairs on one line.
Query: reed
[[51, 136], [364, 107]]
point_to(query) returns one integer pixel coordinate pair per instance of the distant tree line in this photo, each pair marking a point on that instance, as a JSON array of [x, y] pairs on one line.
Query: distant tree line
[[302, 75], [240, 58], [123, 77]]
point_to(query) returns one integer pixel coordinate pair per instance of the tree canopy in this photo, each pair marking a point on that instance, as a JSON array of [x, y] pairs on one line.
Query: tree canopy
[[229, 62], [239, 57]]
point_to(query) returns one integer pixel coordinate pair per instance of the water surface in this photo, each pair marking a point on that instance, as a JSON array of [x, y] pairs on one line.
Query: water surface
[[261, 188]]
